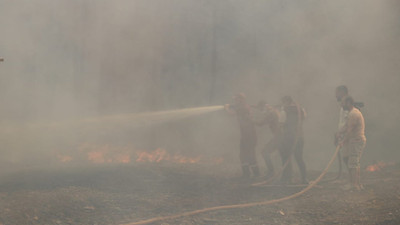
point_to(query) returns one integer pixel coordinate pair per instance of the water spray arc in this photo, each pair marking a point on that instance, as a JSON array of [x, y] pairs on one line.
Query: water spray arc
[[134, 119]]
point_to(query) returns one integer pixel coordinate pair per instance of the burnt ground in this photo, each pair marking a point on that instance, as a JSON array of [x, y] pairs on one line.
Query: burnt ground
[[118, 194]]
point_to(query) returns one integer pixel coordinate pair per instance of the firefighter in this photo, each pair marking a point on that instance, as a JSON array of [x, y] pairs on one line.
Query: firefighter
[[248, 136], [271, 118], [291, 119]]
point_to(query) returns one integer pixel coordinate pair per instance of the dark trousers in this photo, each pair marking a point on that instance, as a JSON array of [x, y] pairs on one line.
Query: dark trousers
[[289, 147], [272, 145], [248, 156]]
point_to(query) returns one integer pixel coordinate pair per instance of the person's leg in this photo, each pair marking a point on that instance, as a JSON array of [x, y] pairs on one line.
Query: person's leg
[[346, 162], [266, 153], [244, 160], [359, 146], [353, 177], [252, 156], [345, 154], [355, 149], [287, 170], [298, 154], [255, 170], [285, 151], [245, 171], [358, 179]]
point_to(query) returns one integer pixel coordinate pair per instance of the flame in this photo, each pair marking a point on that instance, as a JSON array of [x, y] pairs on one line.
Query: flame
[[113, 154], [160, 154], [378, 166], [123, 158], [155, 156], [105, 153], [105, 157], [96, 157], [64, 158]]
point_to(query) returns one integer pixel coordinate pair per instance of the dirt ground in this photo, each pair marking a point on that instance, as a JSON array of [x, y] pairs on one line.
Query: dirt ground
[[118, 194]]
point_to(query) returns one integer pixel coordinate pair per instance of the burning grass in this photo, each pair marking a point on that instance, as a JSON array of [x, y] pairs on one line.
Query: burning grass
[[100, 154], [159, 155], [378, 166]]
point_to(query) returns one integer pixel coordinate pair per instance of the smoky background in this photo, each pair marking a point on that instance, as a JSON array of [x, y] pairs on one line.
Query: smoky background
[[68, 60]]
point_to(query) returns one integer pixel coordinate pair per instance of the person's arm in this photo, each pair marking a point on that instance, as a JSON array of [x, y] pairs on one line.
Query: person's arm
[[282, 117], [303, 113], [341, 127], [229, 109], [342, 131]]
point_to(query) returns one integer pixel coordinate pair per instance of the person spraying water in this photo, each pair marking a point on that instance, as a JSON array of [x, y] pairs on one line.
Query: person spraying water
[[248, 135]]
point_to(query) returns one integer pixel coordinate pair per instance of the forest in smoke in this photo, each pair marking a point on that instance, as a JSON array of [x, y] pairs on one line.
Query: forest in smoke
[[66, 60]]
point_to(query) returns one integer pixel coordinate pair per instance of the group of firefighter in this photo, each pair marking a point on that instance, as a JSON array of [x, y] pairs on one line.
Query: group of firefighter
[[286, 124]]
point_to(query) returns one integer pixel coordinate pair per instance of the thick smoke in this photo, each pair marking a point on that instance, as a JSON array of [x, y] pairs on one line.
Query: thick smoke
[[67, 60]]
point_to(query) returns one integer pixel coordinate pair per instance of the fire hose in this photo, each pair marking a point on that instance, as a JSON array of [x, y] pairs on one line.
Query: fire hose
[[245, 205], [339, 170]]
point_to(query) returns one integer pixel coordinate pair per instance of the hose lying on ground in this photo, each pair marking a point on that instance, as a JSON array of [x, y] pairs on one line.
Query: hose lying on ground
[[339, 157], [245, 205]]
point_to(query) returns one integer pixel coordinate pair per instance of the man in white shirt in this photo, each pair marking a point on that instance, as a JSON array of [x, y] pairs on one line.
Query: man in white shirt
[[353, 142]]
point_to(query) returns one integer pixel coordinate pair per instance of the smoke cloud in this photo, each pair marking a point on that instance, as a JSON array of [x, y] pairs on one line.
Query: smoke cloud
[[69, 60]]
